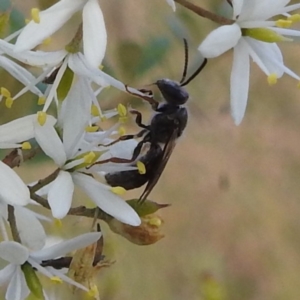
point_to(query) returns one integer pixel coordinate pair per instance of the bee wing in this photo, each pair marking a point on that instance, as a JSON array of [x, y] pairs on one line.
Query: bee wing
[[167, 151]]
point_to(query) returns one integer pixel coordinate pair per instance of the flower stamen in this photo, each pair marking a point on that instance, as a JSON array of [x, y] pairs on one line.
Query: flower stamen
[[26, 146], [56, 279], [122, 110], [118, 190], [41, 117], [272, 79], [141, 167], [35, 15]]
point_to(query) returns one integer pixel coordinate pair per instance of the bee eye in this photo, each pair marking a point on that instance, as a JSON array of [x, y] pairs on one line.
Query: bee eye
[[172, 92]]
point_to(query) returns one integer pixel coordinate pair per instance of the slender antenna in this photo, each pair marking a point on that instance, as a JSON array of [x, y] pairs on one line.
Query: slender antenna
[[195, 74], [186, 60]]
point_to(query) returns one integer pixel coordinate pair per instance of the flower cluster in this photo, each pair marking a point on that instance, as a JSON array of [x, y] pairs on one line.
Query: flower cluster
[[253, 34], [79, 149], [70, 137]]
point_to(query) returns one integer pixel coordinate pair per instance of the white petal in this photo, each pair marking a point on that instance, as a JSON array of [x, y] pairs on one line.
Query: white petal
[[65, 247], [61, 194], [237, 7], [34, 58], [123, 149], [106, 200], [20, 130], [267, 56], [17, 288], [172, 4], [52, 90], [76, 115], [239, 82], [290, 8], [49, 141], [6, 273], [19, 73], [51, 20], [94, 33], [13, 190], [31, 231], [288, 32], [79, 65], [220, 40], [261, 9], [13, 252]]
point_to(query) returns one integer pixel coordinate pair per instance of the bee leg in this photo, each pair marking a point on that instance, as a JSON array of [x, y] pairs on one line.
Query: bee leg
[[126, 137], [149, 99], [138, 119], [137, 150]]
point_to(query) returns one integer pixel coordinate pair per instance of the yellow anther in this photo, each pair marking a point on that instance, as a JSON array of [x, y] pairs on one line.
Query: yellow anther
[[118, 190], [95, 111], [272, 79], [35, 15], [103, 118], [26, 146], [27, 21], [5, 92], [41, 101], [155, 221], [56, 279], [284, 23], [141, 167], [41, 117], [89, 158], [93, 292], [121, 130], [58, 223], [122, 110], [91, 128], [101, 67], [9, 102], [47, 41], [294, 18]]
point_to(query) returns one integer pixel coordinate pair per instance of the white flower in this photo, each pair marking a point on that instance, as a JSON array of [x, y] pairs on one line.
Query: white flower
[[252, 35], [17, 254], [62, 59], [70, 154], [51, 19]]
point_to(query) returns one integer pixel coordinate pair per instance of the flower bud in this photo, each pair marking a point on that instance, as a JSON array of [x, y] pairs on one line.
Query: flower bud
[[32, 281], [146, 234]]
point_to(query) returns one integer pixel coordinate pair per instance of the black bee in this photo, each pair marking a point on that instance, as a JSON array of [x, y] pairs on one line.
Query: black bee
[[166, 126]]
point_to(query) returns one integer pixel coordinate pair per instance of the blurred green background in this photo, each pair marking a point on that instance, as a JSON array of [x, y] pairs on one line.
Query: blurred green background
[[233, 229]]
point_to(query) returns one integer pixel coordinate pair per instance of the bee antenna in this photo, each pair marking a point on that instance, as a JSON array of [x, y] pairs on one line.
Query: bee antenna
[[195, 73], [186, 60]]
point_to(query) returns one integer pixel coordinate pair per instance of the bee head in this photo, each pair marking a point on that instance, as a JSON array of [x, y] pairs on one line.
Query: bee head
[[172, 91]]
